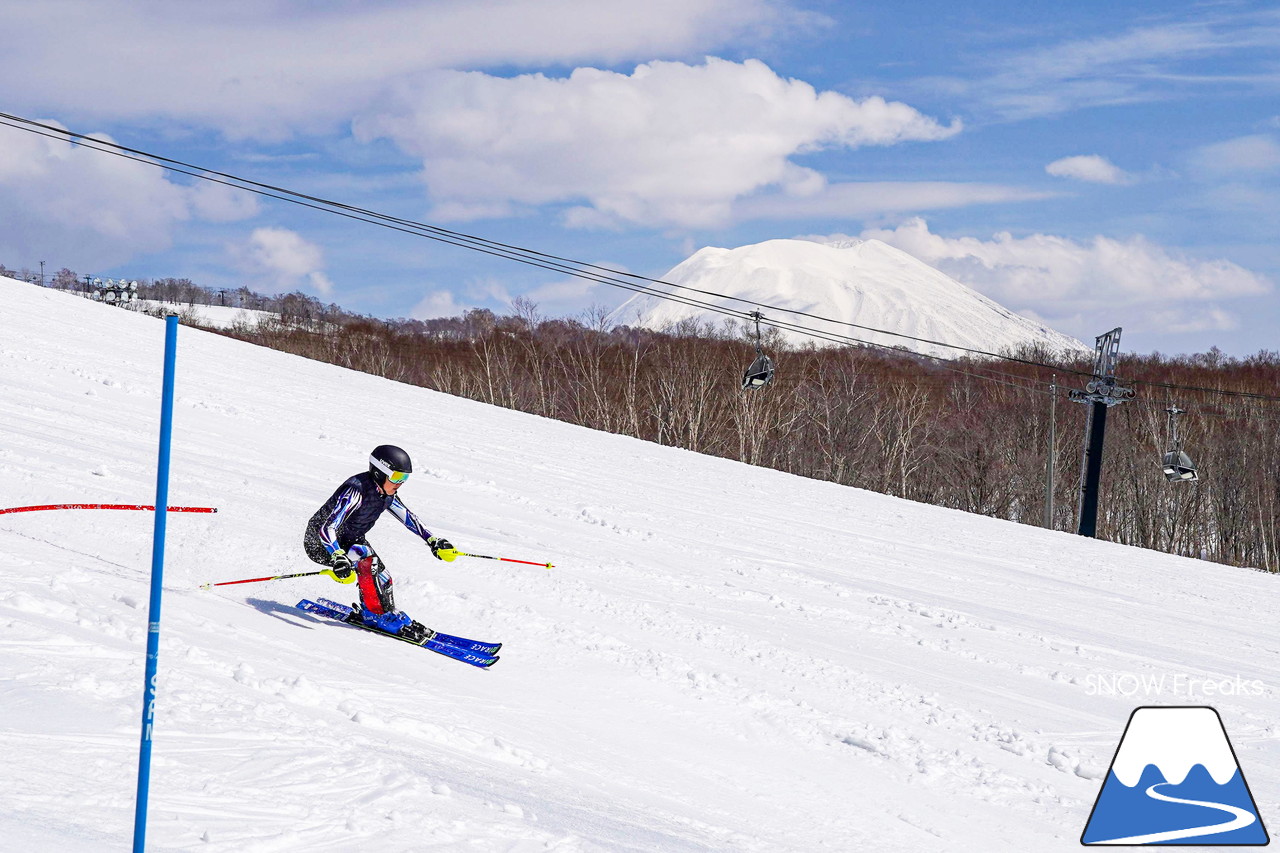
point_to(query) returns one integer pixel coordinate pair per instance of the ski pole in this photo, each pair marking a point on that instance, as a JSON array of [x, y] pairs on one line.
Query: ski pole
[[504, 559], [328, 572]]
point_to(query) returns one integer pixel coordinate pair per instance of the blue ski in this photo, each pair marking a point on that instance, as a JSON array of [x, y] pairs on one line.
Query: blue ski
[[469, 645], [449, 639], [452, 647]]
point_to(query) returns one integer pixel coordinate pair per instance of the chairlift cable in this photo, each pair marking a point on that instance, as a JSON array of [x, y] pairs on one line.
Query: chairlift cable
[[519, 254], [457, 238], [373, 218], [553, 263], [1219, 391]]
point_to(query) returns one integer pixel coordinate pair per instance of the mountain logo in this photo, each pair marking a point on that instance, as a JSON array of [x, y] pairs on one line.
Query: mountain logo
[[1175, 780]]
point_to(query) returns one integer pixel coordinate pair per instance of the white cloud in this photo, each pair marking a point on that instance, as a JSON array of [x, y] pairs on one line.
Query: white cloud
[[269, 70], [1147, 63], [221, 203], [565, 297], [860, 200], [1056, 276], [284, 260], [83, 209], [1210, 318], [482, 292], [439, 303], [1262, 202], [1089, 167], [1258, 153], [670, 143], [571, 296]]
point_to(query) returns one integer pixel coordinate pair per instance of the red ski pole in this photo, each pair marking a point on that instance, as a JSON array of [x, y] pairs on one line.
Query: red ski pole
[[505, 560], [328, 572]]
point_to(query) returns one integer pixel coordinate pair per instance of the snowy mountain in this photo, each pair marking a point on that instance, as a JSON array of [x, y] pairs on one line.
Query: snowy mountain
[[864, 282], [725, 658]]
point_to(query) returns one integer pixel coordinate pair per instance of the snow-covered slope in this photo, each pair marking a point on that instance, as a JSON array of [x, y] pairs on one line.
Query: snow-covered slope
[[867, 283], [724, 658], [216, 316]]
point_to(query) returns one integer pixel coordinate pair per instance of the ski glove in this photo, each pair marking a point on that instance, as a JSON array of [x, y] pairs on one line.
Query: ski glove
[[442, 549], [342, 570]]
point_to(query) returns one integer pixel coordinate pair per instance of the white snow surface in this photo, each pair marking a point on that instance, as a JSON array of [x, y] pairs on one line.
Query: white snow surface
[[863, 282], [724, 657], [215, 316]]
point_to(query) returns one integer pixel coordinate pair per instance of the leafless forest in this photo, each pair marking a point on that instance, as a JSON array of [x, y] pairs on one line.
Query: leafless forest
[[972, 435]]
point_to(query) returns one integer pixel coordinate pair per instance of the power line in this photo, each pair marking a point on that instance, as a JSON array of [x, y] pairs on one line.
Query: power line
[[553, 263], [349, 212], [1222, 392]]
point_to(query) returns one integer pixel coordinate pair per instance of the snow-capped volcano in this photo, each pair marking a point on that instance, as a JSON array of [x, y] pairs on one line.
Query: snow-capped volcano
[[862, 282]]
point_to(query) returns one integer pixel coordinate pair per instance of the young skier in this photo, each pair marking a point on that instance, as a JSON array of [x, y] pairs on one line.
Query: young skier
[[335, 537]]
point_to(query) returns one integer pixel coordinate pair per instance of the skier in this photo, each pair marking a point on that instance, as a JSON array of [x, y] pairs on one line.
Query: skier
[[335, 537]]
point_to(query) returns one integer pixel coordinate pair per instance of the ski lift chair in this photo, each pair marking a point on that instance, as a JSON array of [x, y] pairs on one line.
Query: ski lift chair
[[1177, 465], [760, 373]]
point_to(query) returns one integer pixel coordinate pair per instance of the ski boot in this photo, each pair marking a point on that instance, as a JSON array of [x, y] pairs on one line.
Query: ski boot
[[395, 622]]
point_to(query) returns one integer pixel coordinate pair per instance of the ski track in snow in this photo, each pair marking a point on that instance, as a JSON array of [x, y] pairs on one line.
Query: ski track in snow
[[860, 673]]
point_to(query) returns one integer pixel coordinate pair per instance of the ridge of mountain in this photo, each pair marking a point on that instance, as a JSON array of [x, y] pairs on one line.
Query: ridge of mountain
[[855, 285]]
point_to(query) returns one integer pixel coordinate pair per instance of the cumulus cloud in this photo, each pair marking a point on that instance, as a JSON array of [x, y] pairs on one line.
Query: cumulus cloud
[[670, 143], [80, 208], [1089, 167], [1056, 276], [220, 203], [285, 260], [291, 66]]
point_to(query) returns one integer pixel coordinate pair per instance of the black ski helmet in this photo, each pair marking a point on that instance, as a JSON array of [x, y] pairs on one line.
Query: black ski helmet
[[387, 460]]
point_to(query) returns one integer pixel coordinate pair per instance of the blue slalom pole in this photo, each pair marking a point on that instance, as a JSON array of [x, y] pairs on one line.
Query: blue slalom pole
[[157, 579]]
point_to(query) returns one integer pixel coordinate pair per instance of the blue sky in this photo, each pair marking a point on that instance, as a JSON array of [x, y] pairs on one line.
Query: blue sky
[[1089, 164]]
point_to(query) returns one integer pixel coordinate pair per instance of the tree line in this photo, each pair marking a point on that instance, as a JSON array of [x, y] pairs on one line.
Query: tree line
[[295, 308], [971, 434]]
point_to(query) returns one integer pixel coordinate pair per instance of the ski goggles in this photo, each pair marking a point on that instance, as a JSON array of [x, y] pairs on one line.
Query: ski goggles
[[390, 473]]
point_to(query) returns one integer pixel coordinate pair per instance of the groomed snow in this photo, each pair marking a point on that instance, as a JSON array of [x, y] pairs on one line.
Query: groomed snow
[[863, 282], [211, 316], [215, 316], [724, 658]]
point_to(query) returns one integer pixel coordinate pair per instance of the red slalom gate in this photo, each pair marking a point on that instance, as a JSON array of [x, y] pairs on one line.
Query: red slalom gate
[[106, 506]]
